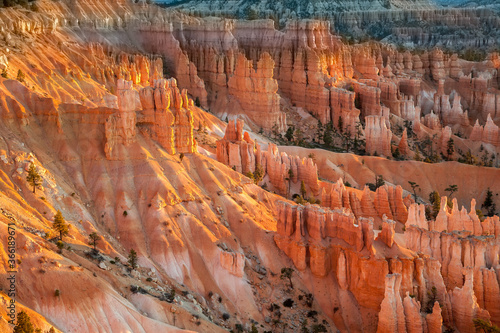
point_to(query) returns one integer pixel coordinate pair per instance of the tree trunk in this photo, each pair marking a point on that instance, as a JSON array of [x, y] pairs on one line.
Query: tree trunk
[[291, 284]]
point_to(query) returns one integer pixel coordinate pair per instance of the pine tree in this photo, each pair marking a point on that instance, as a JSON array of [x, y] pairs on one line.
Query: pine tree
[[379, 181], [414, 187], [20, 76], [417, 157], [432, 298], [450, 148], [289, 178], [303, 190], [60, 225], [34, 178], [289, 133], [23, 324], [250, 175], [286, 273], [328, 134], [488, 203], [258, 175], [94, 238], [435, 200], [60, 246], [319, 131], [452, 189], [132, 259], [485, 326]]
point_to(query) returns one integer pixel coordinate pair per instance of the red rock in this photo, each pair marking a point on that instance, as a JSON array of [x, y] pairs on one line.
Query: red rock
[[234, 263], [332, 194], [465, 307], [416, 217], [434, 320], [237, 150], [489, 134], [342, 272], [256, 92], [278, 166], [369, 98], [387, 233], [391, 316], [120, 127], [408, 110], [455, 68], [414, 321], [156, 39], [443, 140], [378, 136], [491, 293], [432, 121], [403, 144], [342, 105], [437, 65]]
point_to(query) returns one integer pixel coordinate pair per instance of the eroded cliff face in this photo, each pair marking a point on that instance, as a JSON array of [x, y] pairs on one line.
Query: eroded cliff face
[[396, 21], [98, 115], [249, 69], [456, 270], [467, 251]]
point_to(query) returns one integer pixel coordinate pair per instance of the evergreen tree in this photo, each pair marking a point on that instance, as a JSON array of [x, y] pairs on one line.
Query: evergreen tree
[[488, 203], [432, 298], [289, 178], [485, 326], [341, 124], [469, 158], [396, 154], [417, 157], [452, 189], [303, 190], [275, 132], [286, 273], [60, 246], [94, 239], [319, 131], [20, 76], [289, 133], [379, 181], [258, 175], [33, 178], [414, 187], [250, 175], [60, 225], [450, 148], [328, 134], [23, 324], [132, 259], [435, 200]]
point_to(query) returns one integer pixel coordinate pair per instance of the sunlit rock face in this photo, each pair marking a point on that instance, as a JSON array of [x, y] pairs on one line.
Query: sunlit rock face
[[164, 132]]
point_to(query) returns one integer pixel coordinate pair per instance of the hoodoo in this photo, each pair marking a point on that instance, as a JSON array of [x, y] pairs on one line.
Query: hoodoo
[[249, 166]]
